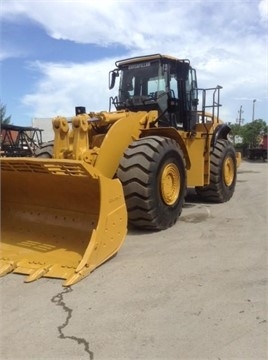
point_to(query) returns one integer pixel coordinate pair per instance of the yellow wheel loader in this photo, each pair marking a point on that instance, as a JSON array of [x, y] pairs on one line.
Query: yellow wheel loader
[[65, 211]]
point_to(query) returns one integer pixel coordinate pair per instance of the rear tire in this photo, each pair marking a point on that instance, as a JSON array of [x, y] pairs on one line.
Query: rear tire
[[153, 175], [45, 151], [222, 174]]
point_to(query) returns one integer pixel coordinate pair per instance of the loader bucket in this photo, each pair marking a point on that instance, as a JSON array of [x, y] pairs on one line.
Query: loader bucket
[[60, 218]]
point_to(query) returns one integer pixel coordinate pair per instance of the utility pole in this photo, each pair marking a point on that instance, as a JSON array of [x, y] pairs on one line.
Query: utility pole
[[253, 110], [240, 112]]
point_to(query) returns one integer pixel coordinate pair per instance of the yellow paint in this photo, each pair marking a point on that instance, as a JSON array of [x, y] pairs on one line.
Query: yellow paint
[[65, 216]]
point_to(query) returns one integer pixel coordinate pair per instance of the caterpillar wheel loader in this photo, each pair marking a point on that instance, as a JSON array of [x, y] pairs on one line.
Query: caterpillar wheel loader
[[65, 212]]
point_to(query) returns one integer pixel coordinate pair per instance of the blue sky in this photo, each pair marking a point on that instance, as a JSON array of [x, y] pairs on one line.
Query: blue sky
[[56, 55]]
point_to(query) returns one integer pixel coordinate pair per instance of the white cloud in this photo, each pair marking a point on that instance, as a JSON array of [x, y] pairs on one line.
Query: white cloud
[[136, 24], [263, 9], [6, 54], [225, 41], [62, 87]]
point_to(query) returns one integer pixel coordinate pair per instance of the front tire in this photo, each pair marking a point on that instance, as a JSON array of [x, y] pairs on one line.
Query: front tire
[[223, 172], [153, 175]]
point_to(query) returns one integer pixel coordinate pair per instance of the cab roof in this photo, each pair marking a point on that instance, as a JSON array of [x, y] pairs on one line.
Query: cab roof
[[137, 59]]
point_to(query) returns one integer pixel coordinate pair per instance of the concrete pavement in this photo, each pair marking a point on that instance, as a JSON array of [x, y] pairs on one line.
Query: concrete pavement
[[195, 291]]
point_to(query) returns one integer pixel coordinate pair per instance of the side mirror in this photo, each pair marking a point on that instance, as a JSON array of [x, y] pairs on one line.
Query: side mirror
[[194, 91], [112, 76]]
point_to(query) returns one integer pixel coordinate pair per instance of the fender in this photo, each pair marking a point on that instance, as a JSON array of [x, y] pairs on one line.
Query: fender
[[170, 133], [220, 132]]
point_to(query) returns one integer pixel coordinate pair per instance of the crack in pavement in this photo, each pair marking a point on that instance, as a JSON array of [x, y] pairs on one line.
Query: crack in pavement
[[58, 300]]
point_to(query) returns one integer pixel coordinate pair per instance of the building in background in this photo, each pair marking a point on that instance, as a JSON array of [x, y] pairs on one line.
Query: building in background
[[46, 125]]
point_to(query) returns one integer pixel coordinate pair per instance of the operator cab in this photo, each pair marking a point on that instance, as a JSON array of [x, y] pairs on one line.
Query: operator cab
[[158, 82]]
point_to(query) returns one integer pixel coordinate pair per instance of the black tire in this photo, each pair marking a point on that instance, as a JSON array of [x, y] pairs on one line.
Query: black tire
[[153, 175], [45, 151], [223, 172]]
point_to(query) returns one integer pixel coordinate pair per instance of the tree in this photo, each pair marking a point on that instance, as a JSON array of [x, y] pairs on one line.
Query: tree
[[252, 132], [236, 132], [3, 118], [249, 135]]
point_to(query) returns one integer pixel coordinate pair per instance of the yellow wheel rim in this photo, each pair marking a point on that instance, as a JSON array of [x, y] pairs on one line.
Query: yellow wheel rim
[[170, 184], [228, 171]]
